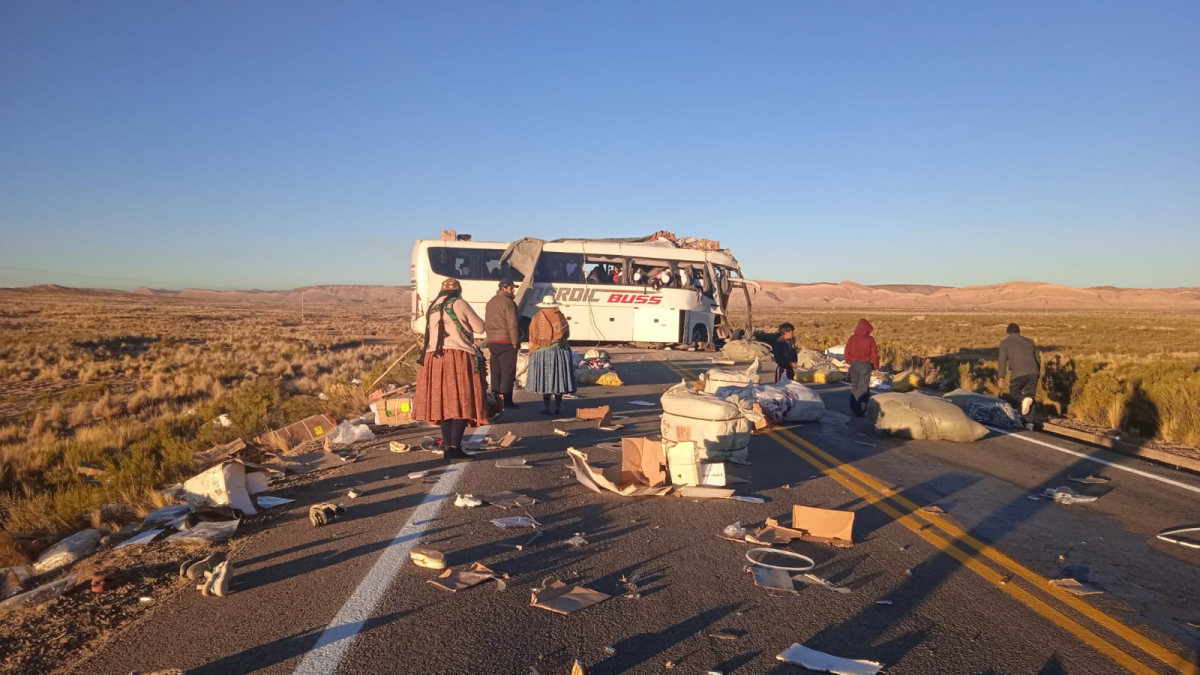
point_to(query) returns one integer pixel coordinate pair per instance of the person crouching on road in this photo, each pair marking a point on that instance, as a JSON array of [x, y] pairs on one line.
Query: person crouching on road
[[1019, 354], [863, 356], [785, 352], [501, 320], [551, 371], [451, 378]]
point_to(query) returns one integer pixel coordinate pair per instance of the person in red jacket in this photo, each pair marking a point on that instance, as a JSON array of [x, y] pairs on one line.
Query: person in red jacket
[[863, 357]]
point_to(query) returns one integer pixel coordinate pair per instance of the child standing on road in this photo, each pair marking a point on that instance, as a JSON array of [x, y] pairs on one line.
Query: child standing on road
[[785, 352]]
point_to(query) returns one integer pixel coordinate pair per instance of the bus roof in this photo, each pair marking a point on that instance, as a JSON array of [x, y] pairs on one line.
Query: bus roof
[[634, 248]]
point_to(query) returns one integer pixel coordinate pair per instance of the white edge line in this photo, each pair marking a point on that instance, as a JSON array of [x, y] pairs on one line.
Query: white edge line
[[1114, 465], [335, 641]]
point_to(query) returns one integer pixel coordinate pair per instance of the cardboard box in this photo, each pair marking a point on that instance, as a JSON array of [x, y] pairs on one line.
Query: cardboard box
[[295, 434], [681, 461], [712, 474], [603, 414], [449, 235], [394, 410], [835, 527], [642, 461], [763, 425]]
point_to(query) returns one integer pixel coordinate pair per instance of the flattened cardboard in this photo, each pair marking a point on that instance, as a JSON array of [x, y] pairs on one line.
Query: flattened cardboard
[[563, 599], [228, 483], [295, 434], [456, 581], [508, 439], [603, 414], [712, 474], [704, 492], [827, 524], [812, 659], [220, 453], [642, 461], [310, 461]]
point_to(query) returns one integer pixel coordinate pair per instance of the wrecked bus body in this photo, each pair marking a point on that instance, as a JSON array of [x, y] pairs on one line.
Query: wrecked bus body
[[651, 290]]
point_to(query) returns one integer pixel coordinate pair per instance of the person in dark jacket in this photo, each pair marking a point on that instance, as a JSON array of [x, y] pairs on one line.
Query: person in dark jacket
[[500, 318], [863, 356], [1020, 355], [785, 352]]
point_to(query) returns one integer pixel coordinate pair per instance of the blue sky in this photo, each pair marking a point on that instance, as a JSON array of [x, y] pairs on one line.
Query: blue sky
[[278, 144]]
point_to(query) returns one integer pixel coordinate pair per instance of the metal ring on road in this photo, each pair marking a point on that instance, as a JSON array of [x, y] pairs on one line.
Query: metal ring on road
[[776, 551]]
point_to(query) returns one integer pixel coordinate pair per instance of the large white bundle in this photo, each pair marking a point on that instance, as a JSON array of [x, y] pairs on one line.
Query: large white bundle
[[922, 417], [801, 403], [716, 378], [716, 426]]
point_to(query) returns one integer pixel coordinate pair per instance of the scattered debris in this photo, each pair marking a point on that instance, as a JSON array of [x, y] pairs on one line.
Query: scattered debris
[[823, 525], [602, 414], [354, 493], [577, 542], [639, 465], [1033, 498], [39, 595], [610, 650], [735, 532], [508, 439], [270, 502], [106, 579], [206, 533], [816, 580], [515, 522], [934, 509], [513, 463], [467, 501], [748, 499], [883, 602], [806, 565], [772, 579], [1090, 480], [642, 403], [427, 558], [397, 446], [217, 580], [1065, 495], [194, 569], [864, 443], [562, 598], [230, 483], [141, 539], [323, 514], [560, 432], [812, 659], [1170, 536], [415, 475], [703, 492], [349, 434], [727, 634], [294, 434], [67, 551], [1075, 587], [508, 500], [453, 581], [393, 410]]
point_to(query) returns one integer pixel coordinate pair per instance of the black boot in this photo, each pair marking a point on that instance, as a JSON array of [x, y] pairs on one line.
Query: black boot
[[546, 404], [558, 404], [509, 402], [455, 455]]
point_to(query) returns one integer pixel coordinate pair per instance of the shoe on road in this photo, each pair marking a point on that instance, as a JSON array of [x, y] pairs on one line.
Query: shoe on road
[[323, 514], [427, 557], [467, 501]]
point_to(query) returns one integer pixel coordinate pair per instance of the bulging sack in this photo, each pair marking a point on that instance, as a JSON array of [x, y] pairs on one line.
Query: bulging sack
[[922, 417], [716, 378], [746, 350], [985, 409], [716, 426], [906, 381], [799, 403]]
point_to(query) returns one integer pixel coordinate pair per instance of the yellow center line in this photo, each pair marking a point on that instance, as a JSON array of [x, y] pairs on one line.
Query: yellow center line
[[834, 468]]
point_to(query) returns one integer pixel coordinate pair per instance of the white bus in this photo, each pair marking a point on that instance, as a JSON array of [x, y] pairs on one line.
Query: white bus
[[612, 290]]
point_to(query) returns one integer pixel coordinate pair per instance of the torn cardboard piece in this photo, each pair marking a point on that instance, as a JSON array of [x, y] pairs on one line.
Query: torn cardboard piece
[[318, 460], [394, 410], [508, 439], [295, 434], [824, 525], [812, 659], [612, 478], [229, 483], [1090, 480], [508, 500], [772, 579], [565, 599], [702, 492], [456, 581], [603, 414], [513, 463], [220, 453]]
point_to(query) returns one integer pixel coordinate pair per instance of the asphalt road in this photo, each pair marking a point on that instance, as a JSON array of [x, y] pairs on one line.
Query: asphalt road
[[967, 590]]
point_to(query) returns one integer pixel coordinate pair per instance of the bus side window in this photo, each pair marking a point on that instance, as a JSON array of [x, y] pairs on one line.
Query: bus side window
[[457, 263], [490, 267], [559, 268]]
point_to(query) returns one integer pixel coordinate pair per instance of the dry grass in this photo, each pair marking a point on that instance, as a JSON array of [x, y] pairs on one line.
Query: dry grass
[[133, 383], [1134, 372]]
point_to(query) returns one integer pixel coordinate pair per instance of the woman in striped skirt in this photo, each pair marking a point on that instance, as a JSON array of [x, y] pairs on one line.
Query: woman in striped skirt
[[450, 381], [551, 371]]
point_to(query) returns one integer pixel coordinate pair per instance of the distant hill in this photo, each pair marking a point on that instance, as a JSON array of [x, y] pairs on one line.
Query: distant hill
[[1013, 295]]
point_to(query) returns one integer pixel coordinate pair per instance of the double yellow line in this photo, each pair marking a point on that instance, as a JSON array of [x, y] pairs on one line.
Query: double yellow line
[[968, 550]]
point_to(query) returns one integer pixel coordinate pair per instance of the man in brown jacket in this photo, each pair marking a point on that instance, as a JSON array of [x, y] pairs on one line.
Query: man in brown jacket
[[503, 343]]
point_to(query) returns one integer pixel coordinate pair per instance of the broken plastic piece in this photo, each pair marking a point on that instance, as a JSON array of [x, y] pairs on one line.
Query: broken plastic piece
[[513, 463], [883, 602], [1075, 587], [812, 659], [1169, 536], [206, 533], [141, 539], [772, 579], [735, 532], [1065, 495], [508, 500], [269, 502], [515, 522], [764, 552], [749, 499]]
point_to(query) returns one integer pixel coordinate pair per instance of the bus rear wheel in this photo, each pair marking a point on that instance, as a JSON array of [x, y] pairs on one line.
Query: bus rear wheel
[[699, 333]]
